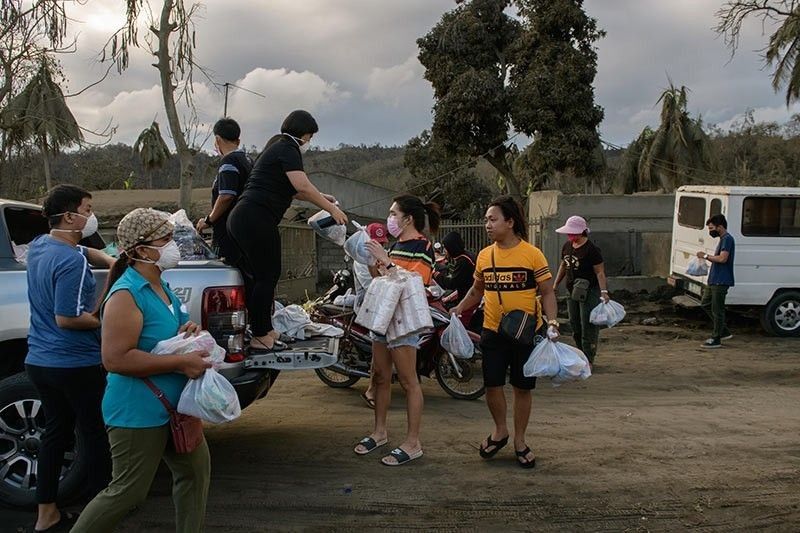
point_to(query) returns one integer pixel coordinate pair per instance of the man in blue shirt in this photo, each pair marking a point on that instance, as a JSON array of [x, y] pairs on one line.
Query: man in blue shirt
[[720, 279], [63, 360]]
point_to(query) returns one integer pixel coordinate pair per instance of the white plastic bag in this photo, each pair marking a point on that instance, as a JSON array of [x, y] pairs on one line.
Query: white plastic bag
[[543, 361], [573, 364], [356, 246], [336, 233], [697, 267], [211, 397], [455, 339], [607, 314], [202, 341]]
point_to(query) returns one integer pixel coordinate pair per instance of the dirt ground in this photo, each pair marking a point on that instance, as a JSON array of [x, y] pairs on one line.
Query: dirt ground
[[664, 437]]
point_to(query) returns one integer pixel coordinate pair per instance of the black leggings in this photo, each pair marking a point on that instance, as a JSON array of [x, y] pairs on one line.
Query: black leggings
[[259, 241], [70, 397]]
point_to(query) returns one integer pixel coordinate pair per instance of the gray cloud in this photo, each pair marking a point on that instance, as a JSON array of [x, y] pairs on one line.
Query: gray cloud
[[353, 64]]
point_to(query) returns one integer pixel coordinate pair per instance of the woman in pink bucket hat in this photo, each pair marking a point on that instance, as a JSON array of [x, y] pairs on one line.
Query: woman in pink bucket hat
[[582, 266]]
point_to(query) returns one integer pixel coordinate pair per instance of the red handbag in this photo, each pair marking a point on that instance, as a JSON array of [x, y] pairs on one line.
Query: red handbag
[[187, 431]]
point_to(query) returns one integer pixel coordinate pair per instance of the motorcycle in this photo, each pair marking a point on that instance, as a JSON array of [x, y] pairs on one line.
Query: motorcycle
[[460, 378]]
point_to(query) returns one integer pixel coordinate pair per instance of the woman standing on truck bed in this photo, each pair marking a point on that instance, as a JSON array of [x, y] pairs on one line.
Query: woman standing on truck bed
[[138, 311], [276, 179]]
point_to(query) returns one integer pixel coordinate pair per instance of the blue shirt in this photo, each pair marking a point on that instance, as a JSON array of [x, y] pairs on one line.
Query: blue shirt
[[60, 282], [722, 273], [128, 402]]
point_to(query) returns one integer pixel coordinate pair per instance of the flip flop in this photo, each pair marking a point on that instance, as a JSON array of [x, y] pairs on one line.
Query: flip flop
[[401, 456], [498, 445], [524, 463], [370, 401], [369, 445], [65, 523], [277, 346]]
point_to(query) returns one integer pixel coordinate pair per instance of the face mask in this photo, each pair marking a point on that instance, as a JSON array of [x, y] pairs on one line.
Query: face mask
[[714, 233], [169, 256], [89, 229], [394, 228], [303, 147]]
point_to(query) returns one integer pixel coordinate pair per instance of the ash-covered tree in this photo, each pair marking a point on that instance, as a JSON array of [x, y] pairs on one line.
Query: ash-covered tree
[[449, 181], [492, 72], [152, 151]]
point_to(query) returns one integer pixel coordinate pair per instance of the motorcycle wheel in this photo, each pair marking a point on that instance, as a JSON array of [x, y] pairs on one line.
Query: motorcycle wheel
[[335, 379], [467, 387]]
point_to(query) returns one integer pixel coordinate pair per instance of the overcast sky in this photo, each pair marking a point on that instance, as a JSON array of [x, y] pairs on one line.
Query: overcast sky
[[353, 64]]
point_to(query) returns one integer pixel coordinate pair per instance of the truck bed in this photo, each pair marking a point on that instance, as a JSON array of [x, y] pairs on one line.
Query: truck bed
[[316, 352]]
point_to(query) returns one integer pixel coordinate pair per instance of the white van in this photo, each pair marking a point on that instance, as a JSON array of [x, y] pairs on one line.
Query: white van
[[765, 223]]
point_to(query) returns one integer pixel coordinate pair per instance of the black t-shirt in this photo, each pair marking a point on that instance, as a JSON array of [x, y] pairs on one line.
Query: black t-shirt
[[269, 186], [580, 262], [234, 169]]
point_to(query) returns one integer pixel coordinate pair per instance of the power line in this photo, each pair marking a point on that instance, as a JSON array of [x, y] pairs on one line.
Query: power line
[[468, 164]]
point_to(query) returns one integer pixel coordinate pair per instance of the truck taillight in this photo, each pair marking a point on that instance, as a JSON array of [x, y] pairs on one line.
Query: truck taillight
[[224, 315]]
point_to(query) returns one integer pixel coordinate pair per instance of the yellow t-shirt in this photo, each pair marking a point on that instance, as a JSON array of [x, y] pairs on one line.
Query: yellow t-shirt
[[519, 269]]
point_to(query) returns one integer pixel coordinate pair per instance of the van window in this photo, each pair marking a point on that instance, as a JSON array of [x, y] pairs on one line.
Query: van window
[[716, 207], [771, 217], [692, 212]]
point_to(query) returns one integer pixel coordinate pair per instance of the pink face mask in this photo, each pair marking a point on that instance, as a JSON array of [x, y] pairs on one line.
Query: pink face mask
[[394, 228], [573, 238]]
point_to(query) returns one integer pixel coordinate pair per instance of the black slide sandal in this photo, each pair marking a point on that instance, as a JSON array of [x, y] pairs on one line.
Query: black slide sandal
[[524, 463], [498, 445], [369, 444]]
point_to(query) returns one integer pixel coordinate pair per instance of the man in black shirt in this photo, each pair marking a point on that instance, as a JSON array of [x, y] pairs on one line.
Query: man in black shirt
[[459, 272], [233, 172]]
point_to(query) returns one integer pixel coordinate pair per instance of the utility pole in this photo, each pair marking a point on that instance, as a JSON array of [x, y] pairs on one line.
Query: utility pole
[[227, 85]]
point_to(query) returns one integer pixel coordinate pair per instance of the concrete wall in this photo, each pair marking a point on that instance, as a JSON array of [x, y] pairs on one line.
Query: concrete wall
[[357, 198], [633, 231]]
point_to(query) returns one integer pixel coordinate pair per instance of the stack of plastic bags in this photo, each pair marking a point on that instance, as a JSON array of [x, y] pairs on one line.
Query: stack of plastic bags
[[455, 339], [356, 245], [210, 397], [697, 267], [558, 361], [395, 305], [607, 314], [191, 245], [293, 321]]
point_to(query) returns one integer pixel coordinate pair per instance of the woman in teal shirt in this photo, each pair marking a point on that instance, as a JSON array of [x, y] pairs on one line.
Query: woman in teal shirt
[[139, 310]]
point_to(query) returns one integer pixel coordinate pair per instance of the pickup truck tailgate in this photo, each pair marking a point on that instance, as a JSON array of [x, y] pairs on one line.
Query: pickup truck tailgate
[[317, 352]]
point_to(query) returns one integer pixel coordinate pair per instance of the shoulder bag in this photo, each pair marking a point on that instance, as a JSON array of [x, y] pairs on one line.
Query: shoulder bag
[[187, 431], [517, 325]]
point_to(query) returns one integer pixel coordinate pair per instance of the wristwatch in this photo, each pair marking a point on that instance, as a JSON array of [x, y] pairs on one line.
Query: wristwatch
[[208, 220], [705, 256], [390, 265]]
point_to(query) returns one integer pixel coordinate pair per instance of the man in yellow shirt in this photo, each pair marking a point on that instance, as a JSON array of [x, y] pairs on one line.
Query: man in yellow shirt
[[519, 271]]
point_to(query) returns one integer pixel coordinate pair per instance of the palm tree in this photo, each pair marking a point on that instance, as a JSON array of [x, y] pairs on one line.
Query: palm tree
[[152, 151], [676, 152], [39, 114]]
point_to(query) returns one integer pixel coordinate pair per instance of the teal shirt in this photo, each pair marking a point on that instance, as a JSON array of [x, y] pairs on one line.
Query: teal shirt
[[128, 402]]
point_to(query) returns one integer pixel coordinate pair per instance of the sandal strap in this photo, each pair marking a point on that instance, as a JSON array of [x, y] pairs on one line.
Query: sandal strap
[[524, 452], [400, 455], [368, 443]]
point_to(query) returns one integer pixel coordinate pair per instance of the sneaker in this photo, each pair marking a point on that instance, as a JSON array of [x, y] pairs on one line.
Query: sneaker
[[711, 343], [727, 337]]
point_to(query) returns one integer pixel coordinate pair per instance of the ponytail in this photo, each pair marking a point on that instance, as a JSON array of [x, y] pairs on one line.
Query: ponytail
[[114, 273], [412, 206]]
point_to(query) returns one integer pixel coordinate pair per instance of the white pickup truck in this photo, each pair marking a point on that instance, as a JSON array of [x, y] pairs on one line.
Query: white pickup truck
[[214, 297]]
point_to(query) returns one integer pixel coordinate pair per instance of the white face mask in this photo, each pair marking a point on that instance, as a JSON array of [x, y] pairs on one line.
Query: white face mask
[[169, 256], [303, 147], [89, 229]]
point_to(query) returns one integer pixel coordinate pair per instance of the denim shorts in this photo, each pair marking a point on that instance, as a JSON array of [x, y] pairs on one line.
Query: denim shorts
[[408, 340]]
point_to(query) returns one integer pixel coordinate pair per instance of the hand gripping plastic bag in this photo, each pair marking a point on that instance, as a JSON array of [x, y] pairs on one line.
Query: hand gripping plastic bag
[[211, 397], [356, 246], [323, 225], [543, 361], [202, 341], [697, 267], [455, 339], [607, 314]]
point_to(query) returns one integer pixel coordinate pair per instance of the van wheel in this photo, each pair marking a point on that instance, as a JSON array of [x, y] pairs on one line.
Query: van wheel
[[781, 316], [21, 429]]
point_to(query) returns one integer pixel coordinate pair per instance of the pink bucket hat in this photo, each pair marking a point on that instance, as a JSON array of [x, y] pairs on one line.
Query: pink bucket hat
[[575, 226]]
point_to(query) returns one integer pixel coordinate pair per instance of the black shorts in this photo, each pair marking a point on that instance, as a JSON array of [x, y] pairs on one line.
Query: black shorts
[[500, 353]]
